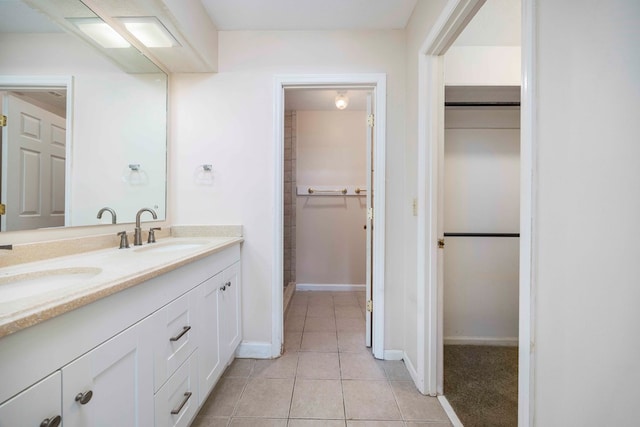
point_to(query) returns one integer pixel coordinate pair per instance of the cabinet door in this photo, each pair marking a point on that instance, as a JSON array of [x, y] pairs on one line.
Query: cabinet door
[[208, 338], [174, 334], [229, 300], [112, 385], [176, 403], [35, 405]]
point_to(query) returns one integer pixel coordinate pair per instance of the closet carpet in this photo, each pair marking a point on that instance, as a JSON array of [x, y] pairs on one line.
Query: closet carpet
[[481, 384]]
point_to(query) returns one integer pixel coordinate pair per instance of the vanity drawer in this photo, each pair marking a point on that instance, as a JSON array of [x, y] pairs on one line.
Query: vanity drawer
[[174, 336], [176, 403]]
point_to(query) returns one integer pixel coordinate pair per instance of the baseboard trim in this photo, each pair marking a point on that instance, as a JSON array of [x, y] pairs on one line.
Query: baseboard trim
[[448, 409], [412, 370], [393, 355], [254, 350], [493, 341], [329, 287]]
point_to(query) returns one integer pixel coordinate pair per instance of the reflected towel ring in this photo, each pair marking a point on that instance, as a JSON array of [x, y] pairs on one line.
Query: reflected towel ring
[[134, 175], [203, 174]]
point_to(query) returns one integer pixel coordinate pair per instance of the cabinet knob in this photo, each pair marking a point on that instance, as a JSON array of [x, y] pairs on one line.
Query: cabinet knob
[[84, 398], [223, 288], [228, 284], [51, 422]]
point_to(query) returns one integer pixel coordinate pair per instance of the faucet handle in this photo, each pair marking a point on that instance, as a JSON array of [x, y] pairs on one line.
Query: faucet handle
[[124, 240], [152, 234]]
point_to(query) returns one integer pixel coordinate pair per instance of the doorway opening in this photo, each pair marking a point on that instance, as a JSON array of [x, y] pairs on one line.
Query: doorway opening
[[331, 191]]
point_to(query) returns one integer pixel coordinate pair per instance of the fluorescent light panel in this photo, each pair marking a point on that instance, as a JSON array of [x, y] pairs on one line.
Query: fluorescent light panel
[[150, 31], [100, 32]]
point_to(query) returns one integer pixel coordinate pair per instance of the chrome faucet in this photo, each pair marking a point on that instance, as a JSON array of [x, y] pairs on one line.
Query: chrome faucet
[[111, 211], [137, 236]]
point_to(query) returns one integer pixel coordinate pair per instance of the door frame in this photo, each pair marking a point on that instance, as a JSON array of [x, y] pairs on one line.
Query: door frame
[[451, 22], [10, 83], [377, 81]]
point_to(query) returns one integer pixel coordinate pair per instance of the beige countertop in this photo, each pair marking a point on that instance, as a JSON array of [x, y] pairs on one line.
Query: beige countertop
[[33, 292]]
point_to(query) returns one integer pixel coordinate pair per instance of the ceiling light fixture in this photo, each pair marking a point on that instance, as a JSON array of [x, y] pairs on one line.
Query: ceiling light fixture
[[100, 32], [150, 31], [342, 101]]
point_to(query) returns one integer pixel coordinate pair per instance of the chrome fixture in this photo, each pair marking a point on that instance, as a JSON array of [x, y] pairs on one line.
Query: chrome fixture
[[152, 234], [134, 167], [111, 211], [207, 168], [124, 240], [137, 236]]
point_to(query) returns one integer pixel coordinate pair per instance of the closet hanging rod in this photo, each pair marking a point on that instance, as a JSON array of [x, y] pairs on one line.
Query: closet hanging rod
[[482, 234], [483, 104], [336, 191]]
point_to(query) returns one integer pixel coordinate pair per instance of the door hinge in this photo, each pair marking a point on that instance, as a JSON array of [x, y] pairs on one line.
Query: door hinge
[[3, 209], [369, 306], [440, 243], [371, 120], [370, 213], [3, 121]]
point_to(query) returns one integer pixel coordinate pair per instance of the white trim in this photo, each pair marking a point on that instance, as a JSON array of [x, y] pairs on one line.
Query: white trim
[[328, 287], [394, 355], [448, 409], [412, 370], [53, 82], [379, 82], [254, 350], [528, 124], [493, 341]]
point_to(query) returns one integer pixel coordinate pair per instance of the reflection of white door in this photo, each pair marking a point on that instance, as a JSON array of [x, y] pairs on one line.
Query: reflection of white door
[[33, 166], [369, 226]]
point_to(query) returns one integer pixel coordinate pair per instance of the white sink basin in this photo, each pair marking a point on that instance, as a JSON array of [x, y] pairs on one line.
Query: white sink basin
[[170, 246], [19, 286]]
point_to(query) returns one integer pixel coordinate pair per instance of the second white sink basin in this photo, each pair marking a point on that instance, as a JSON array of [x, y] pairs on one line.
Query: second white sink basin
[[26, 285], [170, 246]]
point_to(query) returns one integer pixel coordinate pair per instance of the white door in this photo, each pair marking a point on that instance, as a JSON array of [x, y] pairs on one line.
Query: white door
[[33, 166], [39, 405], [112, 385], [229, 300], [369, 223], [210, 366]]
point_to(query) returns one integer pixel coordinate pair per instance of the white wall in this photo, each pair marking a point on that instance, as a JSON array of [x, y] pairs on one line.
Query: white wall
[[227, 119], [586, 216], [481, 195], [482, 66], [419, 25], [330, 239]]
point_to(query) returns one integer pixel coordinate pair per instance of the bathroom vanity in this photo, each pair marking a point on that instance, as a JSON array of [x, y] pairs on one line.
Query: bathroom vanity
[[140, 339]]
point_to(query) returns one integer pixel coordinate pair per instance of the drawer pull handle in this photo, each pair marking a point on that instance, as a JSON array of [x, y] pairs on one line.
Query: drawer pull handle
[[51, 422], [84, 398], [187, 395], [185, 329]]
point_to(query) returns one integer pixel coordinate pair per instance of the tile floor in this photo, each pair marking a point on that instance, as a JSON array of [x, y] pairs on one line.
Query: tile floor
[[326, 377]]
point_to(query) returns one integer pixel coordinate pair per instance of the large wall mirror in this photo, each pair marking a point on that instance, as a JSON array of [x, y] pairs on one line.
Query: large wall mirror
[[86, 125]]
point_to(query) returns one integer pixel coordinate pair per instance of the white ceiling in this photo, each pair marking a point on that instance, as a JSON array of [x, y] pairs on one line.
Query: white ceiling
[[309, 14]]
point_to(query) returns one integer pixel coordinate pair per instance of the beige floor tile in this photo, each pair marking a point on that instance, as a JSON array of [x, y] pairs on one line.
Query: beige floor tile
[[361, 366], [320, 298], [375, 424], [414, 406], [320, 324], [258, 422], [317, 399], [224, 397], [349, 299], [321, 311], [351, 342], [319, 341], [292, 341], [282, 367], [294, 323], [350, 325], [369, 400], [209, 421], [297, 309], [396, 370], [316, 423], [349, 312], [239, 368], [315, 365], [265, 397]]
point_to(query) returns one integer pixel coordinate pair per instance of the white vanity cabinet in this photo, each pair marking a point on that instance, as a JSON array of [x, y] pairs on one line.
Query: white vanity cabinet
[[145, 356], [112, 385], [39, 405]]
